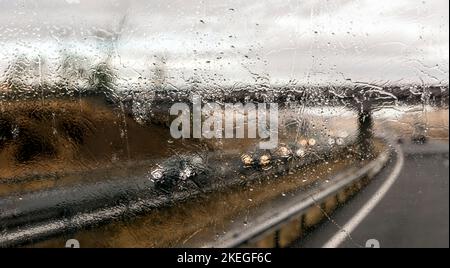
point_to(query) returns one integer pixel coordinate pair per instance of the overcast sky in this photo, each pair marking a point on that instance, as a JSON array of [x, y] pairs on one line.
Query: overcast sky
[[313, 41]]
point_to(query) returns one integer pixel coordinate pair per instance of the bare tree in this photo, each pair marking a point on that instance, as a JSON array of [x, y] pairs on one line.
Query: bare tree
[[102, 79]]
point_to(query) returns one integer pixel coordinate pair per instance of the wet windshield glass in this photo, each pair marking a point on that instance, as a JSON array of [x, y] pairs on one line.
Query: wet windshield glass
[[223, 123]]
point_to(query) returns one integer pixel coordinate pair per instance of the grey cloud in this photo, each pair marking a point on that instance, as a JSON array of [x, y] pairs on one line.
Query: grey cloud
[[365, 39]]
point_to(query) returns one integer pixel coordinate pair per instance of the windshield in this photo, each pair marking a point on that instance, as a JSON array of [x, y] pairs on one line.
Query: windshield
[[192, 123]]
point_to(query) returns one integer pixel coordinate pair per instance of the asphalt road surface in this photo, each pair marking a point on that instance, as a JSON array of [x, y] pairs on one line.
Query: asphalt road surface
[[406, 205]]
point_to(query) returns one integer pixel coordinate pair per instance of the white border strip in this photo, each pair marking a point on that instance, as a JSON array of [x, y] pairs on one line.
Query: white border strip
[[350, 226]]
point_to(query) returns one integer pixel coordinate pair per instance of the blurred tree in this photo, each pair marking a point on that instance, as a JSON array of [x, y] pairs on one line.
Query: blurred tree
[[17, 73], [102, 80], [73, 73], [103, 77], [25, 75]]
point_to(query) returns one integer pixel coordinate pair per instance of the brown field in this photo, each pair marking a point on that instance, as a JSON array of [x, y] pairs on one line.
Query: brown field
[[65, 136]]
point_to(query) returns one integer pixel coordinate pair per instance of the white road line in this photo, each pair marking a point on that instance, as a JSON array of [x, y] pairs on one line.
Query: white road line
[[350, 226]]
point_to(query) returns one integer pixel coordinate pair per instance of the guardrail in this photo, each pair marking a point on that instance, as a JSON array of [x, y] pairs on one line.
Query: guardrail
[[280, 229]]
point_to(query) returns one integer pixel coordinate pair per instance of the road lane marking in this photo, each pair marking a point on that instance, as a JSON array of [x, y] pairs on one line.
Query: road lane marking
[[350, 226]]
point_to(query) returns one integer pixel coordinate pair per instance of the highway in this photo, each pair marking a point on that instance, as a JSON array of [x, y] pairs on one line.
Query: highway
[[406, 205]]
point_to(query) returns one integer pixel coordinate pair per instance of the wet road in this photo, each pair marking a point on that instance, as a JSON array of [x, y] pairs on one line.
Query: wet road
[[411, 211]]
